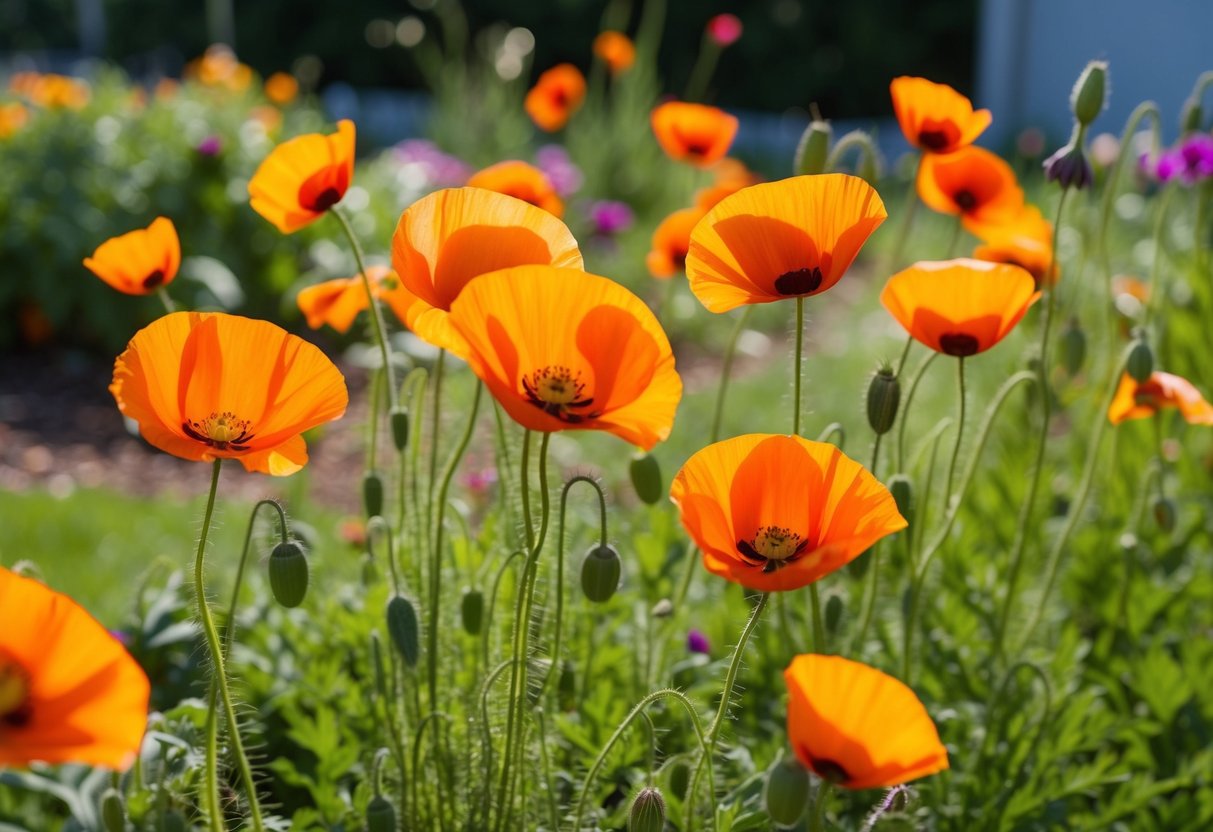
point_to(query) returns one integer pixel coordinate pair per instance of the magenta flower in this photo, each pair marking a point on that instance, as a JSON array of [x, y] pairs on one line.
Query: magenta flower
[[724, 29], [1190, 162], [441, 170], [565, 176], [610, 217], [697, 642], [210, 146]]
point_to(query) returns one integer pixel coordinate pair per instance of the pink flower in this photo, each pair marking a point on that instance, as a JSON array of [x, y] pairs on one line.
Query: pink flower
[[724, 29]]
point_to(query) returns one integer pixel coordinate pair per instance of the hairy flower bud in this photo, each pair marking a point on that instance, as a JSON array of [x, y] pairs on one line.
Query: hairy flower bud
[[903, 494], [1140, 363], [646, 478], [471, 611], [380, 815], [814, 148], [113, 811], [400, 428], [834, 610], [402, 626], [1087, 97], [288, 574], [372, 494], [648, 812], [884, 397], [600, 573], [786, 792]]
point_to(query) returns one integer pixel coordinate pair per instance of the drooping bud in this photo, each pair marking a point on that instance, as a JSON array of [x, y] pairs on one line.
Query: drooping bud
[[1087, 97], [471, 611], [600, 573], [1164, 513], [884, 397], [1192, 116], [814, 148], [372, 494], [903, 494], [402, 626], [288, 574], [1073, 347], [400, 427], [1069, 167], [380, 815], [834, 609], [646, 478], [113, 811], [786, 793], [648, 812], [1140, 363]]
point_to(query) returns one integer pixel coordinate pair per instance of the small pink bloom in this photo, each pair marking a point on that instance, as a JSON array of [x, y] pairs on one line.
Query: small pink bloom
[[724, 29]]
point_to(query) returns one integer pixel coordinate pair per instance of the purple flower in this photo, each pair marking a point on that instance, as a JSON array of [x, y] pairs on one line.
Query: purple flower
[[1069, 167], [697, 642], [440, 169], [611, 217], [210, 146], [554, 160], [1190, 162]]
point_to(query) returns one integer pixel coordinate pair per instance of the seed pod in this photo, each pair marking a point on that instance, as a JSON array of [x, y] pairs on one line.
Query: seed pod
[[814, 148], [680, 779], [1087, 97], [1140, 363], [372, 494], [648, 812], [834, 607], [471, 611], [786, 792], [113, 811], [903, 494], [400, 428], [402, 626], [646, 478], [288, 574], [380, 815], [884, 397], [600, 573], [1164, 513], [1073, 347]]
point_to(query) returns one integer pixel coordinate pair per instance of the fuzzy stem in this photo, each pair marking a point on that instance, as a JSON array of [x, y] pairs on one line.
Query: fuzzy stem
[[378, 327], [799, 360]]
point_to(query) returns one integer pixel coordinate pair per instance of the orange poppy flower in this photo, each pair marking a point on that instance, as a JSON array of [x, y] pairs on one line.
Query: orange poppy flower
[[773, 512], [616, 50], [671, 241], [521, 181], [791, 238], [959, 307], [204, 386], [857, 727], [1137, 400], [304, 177], [218, 67], [564, 350], [555, 97], [281, 88], [935, 117], [69, 691], [445, 239], [141, 261], [12, 118], [338, 302], [973, 183], [1026, 241], [694, 133]]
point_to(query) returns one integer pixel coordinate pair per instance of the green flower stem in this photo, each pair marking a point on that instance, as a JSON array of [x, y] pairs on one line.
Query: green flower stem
[[726, 372], [372, 427], [1019, 544], [819, 807], [909, 207], [855, 139], [522, 621], [796, 381], [435, 429], [418, 741], [169, 306], [830, 431], [955, 238], [436, 557], [220, 674], [378, 327], [960, 427], [819, 629], [1158, 287], [726, 696], [701, 72], [486, 630], [905, 410]]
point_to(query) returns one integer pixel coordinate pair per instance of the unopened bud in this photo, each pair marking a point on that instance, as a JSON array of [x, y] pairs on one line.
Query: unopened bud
[[1164, 513], [1087, 97], [471, 611], [380, 815], [834, 609], [1069, 167], [566, 686], [646, 478], [113, 811], [648, 812], [903, 494], [400, 428], [1140, 363], [288, 574], [600, 573], [402, 626], [372, 494], [1073, 347], [680, 779], [814, 148], [786, 792], [884, 397], [1192, 116]]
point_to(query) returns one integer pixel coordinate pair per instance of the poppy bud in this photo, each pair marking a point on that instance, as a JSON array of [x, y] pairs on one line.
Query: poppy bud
[[1069, 167], [1164, 513], [372, 494], [884, 396], [400, 428], [814, 148], [834, 607], [1140, 363], [786, 792], [566, 686], [288, 574], [402, 626], [369, 573], [663, 608], [646, 478], [380, 815], [1073, 347], [1087, 97], [1192, 116], [680, 779], [648, 812], [113, 812], [173, 821], [471, 611], [600, 573], [903, 494]]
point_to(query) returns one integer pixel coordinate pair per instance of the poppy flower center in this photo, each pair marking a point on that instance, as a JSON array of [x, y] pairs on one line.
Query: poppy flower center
[[959, 344], [827, 769], [14, 694], [154, 279], [965, 200], [771, 547], [1146, 398], [222, 431], [799, 282], [557, 390]]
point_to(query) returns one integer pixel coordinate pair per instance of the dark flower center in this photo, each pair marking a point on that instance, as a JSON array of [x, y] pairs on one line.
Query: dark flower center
[[222, 431], [799, 282], [15, 708], [965, 200], [324, 200], [557, 391], [772, 547], [827, 769], [154, 279], [959, 344], [934, 139]]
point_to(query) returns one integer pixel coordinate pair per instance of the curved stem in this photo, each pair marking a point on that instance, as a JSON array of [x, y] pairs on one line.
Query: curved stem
[[799, 361], [726, 371], [830, 430], [216, 650], [169, 306], [857, 139], [905, 411], [819, 806], [1157, 288], [378, 327]]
